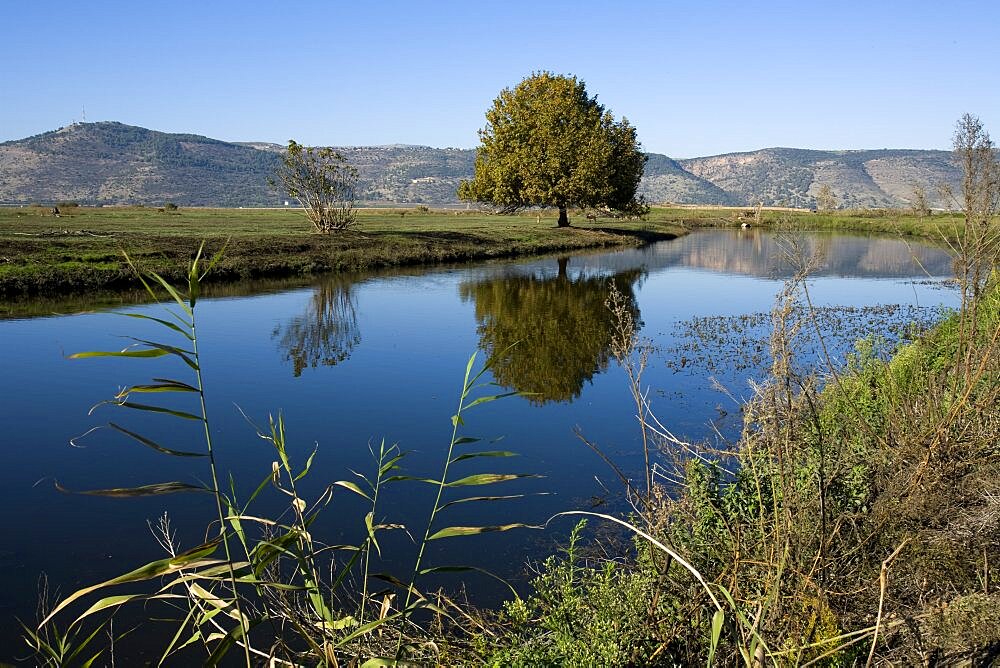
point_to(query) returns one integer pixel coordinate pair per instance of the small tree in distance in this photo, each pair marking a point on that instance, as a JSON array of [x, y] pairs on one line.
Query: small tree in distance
[[979, 245], [548, 143], [323, 182], [825, 199], [919, 201]]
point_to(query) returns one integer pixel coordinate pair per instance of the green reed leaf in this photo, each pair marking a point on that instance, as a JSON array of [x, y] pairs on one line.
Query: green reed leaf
[[127, 352], [485, 453], [154, 489], [367, 628], [170, 350], [225, 605], [450, 532], [393, 580], [192, 558], [396, 478], [168, 386], [234, 635], [266, 551], [468, 369], [466, 439], [194, 282], [483, 498], [488, 479], [391, 464], [346, 484], [105, 603], [83, 645], [165, 323], [215, 259], [172, 291], [309, 462], [487, 399], [152, 444], [155, 409], [173, 646], [371, 532], [718, 619]]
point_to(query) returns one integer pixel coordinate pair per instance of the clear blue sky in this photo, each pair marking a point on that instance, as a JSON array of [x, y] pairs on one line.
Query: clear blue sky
[[695, 77]]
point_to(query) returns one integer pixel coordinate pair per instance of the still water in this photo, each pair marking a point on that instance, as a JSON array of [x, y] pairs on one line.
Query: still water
[[352, 360]]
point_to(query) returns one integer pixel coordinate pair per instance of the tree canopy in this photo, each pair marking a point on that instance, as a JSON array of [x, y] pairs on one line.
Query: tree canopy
[[322, 181], [548, 143]]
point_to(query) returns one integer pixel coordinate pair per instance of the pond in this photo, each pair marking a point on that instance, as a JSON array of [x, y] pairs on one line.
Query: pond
[[352, 360]]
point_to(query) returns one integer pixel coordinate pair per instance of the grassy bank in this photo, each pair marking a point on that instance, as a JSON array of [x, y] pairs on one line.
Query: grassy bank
[[935, 227], [81, 250], [855, 522]]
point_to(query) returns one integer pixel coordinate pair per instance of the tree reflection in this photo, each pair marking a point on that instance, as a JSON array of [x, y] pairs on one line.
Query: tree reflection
[[326, 333], [560, 324]]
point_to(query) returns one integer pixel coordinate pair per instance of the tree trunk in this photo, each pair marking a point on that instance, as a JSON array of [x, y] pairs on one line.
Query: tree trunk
[[563, 264], [563, 217]]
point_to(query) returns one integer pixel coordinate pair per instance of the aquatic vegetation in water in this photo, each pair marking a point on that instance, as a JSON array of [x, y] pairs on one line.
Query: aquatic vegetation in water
[[728, 345]]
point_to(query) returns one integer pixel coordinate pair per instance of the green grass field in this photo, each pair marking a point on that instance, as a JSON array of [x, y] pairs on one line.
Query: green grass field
[[82, 249]]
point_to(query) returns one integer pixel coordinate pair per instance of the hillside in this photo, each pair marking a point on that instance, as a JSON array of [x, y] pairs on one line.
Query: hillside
[[666, 181], [113, 163], [858, 179]]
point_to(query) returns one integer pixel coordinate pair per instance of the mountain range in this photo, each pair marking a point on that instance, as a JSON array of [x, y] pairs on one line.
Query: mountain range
[[113, 163]]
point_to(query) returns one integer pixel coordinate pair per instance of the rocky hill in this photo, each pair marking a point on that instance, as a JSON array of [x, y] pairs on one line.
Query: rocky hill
[[113, 163], [857, 179], [666, 181]]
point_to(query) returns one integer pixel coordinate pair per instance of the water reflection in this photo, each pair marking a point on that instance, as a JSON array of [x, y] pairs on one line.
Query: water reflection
[[560, 324], [762, 253], [327, 332], [415, 326]]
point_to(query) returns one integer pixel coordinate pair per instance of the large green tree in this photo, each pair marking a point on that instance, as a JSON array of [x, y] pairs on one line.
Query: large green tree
[[548, 143]]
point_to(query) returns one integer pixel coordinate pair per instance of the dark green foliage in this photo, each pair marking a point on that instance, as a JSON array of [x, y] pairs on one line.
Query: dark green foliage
[[583, 613], [548, 143]]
